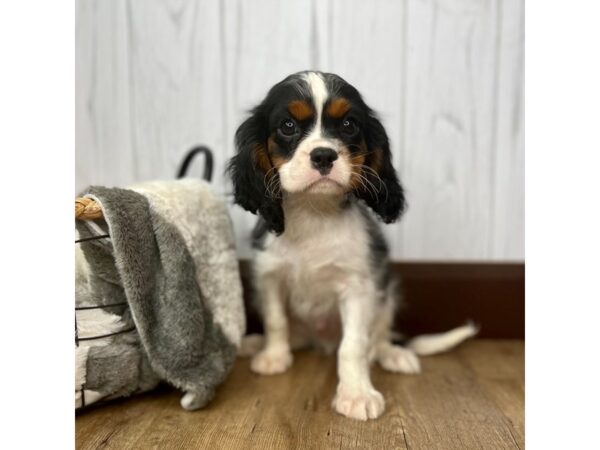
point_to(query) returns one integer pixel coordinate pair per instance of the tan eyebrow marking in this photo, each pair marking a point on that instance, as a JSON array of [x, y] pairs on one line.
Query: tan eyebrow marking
[[338, 107], [300, 110]]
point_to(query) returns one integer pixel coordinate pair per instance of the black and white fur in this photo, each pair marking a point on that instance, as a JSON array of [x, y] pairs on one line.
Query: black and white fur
[[314, 162]]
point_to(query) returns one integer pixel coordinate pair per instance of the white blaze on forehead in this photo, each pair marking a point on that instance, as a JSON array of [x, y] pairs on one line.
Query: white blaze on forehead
[[319, 94], [297, 174]]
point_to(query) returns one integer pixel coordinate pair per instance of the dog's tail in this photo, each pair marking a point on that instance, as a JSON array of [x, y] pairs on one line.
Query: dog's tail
[[430, 344]]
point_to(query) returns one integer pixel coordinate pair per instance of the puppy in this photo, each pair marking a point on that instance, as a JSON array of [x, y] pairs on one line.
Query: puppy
[[314, 162]]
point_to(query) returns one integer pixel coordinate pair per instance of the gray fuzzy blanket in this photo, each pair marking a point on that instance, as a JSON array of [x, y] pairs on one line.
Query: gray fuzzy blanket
[[170, 272]]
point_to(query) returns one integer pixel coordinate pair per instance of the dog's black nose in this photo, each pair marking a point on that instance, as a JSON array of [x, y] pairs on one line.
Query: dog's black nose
[[322, 159]]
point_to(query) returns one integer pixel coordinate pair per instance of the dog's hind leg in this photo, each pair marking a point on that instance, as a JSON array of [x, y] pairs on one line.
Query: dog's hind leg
[[251, 345], [391, 357], [254, 343], [396, 358]]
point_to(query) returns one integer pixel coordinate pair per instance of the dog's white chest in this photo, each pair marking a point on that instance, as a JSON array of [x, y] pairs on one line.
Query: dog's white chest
[[313, 261]]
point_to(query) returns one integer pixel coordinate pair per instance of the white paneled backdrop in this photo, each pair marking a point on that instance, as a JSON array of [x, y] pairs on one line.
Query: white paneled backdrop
[[156, 77]]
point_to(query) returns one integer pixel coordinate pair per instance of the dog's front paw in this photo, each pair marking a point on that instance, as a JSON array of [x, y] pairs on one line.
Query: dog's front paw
[[399, 359], [270, 362], [358, 404]]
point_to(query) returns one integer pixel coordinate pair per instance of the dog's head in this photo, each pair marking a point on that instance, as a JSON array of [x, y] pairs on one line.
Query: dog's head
[[313, 134]]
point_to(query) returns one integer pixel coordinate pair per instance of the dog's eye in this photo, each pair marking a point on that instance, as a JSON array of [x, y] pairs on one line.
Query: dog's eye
[[288, 127], [349, 127]]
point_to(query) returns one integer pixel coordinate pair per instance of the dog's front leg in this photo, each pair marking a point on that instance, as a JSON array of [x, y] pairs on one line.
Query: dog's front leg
[[356, 397], [276, 356]]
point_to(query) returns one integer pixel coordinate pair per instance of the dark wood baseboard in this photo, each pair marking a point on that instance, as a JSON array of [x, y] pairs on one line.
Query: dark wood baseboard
[[440, 296]]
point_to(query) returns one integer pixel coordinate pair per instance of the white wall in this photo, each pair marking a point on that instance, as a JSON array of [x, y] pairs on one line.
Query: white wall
[[156, 77]]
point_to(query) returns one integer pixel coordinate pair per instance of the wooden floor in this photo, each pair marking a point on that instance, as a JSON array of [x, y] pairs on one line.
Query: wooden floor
[[470, 398]]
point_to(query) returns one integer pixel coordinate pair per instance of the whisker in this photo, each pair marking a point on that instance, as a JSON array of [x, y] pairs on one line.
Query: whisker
[[266, 175], [362, 152], [370, 187], [375, 190], [272, 185], [369, 169], [374, 173], [313, 207]]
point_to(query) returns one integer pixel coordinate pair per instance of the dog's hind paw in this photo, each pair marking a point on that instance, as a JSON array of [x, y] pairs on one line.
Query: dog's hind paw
[[399, 359], [360, 405], [251, 345]]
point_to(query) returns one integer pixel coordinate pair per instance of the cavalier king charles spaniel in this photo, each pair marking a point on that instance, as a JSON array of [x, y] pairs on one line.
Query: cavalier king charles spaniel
[[314, 162]]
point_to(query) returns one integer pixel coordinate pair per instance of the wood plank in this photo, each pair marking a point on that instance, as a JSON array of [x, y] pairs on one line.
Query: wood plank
[[499, 367], [121, 423], [508, 209], [448, 406], [450, 100], [176, 85], [103, 133]]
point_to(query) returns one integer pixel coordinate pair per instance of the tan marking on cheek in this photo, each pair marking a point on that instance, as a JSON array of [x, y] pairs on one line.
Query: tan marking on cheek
[[338, 107], [262, 158], [277, 160], [300, 110], [376, 159], [358, 159], [356, 162]]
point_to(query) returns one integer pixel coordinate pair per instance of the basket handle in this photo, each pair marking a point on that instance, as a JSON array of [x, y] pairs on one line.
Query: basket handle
[[87, 209], [208, 162]]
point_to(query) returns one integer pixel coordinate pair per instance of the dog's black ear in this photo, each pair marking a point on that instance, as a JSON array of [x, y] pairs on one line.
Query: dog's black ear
[[251, 172], [383, 192]]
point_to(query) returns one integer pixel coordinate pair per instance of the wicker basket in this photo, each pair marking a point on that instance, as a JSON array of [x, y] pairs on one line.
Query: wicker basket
[[88, 209]]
